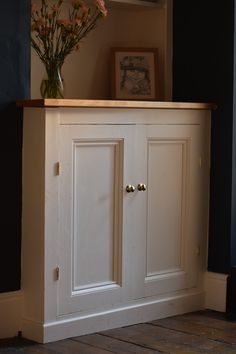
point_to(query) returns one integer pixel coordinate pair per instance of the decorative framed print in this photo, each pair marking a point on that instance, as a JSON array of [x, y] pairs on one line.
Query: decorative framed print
[[134, 74]]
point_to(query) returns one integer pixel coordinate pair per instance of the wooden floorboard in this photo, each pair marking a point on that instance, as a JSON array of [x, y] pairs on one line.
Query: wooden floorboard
[[114, 345], [188, 327], [170, 341], [194, 333]]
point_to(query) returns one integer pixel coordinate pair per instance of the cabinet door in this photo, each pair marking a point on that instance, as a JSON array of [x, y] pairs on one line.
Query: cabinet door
[[96, 248], [174, 224], [116, 246]]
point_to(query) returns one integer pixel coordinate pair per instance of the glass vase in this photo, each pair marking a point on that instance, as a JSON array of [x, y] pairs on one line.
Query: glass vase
[[52, 86]]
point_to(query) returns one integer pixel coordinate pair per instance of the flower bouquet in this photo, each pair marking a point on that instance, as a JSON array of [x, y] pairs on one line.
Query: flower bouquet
[[54, 37]]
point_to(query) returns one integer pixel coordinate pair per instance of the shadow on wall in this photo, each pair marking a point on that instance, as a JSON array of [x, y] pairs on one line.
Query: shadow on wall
[[10, 181]]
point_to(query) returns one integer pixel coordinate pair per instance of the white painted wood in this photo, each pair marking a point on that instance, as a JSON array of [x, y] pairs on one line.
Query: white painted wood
[[33, 221], [173, 230], [215, 288], [39, 219], [51, 213], [122, 257], [166, 182], [138, 311], [94, 214], [135, 116], [95, 247], [10, 314]]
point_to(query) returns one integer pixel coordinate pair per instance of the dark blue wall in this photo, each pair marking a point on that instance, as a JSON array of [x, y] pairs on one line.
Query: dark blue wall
[[14, 84], [203, 70], [233, 203]]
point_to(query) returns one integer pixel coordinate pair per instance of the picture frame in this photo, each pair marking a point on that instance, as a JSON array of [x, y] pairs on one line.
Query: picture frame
[[134, 74]]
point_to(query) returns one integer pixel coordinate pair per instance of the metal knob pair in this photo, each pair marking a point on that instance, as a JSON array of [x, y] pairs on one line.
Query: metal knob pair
[[131, 188]]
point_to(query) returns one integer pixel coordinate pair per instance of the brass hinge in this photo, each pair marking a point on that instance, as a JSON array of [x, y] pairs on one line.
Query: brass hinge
[[57, 273], [200, 161], [58, 168]]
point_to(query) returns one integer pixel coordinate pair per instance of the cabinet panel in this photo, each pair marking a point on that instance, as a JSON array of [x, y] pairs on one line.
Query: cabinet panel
[[95, 191], [166, 181], [173, 233]]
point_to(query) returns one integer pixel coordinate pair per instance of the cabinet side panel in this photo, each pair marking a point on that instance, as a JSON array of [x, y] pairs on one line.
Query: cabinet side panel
[[33, 213]]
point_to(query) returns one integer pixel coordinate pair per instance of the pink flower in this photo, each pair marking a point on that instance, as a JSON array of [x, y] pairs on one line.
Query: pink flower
[[64, 22], [57, 37], [76, 4], [34, 27], [77, 21], [33, 7], [55, 8], [40, 21], [85, 11], [101, 6], [44, 31]]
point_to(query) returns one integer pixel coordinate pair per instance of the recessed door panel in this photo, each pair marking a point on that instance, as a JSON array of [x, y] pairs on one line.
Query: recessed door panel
[[166, 200], [95, 188], [173, 229]]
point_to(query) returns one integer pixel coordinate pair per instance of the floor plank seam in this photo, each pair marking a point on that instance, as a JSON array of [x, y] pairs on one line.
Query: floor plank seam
[[193, 334], [137, 345], [90, 345]]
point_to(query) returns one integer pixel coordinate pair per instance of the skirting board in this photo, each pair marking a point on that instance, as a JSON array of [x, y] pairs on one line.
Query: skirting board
[[134, 312], [215, 291], [11, 319], [10, 314]]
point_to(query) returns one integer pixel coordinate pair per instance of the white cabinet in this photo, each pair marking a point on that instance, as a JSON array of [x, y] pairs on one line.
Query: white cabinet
[[94, 255]]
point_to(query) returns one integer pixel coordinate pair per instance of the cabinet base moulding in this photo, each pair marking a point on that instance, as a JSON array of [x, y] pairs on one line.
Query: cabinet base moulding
[[215, 289], [10, 314], [138, 311]]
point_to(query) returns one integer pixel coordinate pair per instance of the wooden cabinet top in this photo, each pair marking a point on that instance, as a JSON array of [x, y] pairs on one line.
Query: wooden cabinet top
[[113, 104]]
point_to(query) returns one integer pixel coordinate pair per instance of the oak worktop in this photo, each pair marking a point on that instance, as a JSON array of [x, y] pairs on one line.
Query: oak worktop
[[113, 104]]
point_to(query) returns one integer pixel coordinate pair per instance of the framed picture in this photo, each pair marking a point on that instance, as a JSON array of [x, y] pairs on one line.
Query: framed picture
[[134, 74]]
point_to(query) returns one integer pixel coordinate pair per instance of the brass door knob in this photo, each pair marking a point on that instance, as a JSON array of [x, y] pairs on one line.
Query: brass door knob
[[141, 187], [130, 188]]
